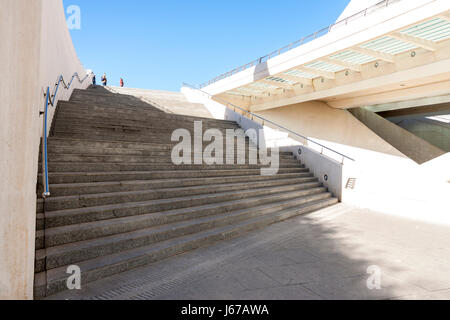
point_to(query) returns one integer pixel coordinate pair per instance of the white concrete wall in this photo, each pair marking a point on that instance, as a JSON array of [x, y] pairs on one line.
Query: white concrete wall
[[328, 171], [386, 180], [36, 48], [319, 164]]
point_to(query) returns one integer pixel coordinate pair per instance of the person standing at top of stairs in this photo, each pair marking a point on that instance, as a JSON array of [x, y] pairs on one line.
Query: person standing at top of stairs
[[104, 80], [121, 83]]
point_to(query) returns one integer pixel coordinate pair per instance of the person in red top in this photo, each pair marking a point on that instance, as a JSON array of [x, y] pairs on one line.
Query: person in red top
[[121, 82]]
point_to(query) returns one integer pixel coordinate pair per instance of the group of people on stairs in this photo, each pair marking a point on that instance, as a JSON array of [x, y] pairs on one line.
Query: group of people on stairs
[[105, 80]]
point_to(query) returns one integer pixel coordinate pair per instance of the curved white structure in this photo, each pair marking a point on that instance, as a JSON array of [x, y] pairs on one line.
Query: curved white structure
[[37, 50], [397, 52]]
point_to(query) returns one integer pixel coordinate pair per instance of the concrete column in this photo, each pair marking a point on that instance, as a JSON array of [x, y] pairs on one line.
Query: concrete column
[[20, 34]]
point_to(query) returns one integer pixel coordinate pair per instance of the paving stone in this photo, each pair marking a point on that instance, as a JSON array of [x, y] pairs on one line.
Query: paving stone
[[356, 289], [294, 292], [234, 269]]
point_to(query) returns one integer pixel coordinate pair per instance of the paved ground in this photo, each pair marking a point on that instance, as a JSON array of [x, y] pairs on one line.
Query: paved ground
[[324, 255]]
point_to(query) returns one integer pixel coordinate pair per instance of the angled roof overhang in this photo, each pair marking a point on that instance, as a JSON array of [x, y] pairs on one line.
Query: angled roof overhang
[[382, 55]]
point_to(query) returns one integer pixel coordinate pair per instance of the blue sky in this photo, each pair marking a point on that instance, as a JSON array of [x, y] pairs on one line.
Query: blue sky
[[161, 44]]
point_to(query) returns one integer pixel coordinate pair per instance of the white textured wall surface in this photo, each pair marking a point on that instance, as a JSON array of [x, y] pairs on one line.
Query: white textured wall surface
[[275, 137], [386, 180], [36, 48], [327, 170]]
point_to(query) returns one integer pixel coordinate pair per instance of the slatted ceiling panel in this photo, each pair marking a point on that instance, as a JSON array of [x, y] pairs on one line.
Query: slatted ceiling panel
[[440, 37], [248, 91], [434, 30], [236, 93], [353, 57], [325, 66], [301, 74], [443, 35], [438, 26], [259, 85], [281, 80], [389, 45]]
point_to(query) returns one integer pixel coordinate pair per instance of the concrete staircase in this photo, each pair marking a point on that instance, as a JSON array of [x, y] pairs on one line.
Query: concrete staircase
[[119, 203]]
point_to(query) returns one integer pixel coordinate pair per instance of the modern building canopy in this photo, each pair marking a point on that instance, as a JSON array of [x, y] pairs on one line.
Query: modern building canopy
[[385, 53]]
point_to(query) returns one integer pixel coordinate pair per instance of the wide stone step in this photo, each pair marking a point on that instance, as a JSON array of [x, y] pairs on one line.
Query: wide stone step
[[54, 149], [109, 135], [128, 159], [90, 214], [87, 150], [121, 137], [93, 200], [75, 107], [119, 108], [94, 142], [157, 127], [305, 178], [98, 167], [109, 98], [98, 91], [238, 157], [70, 234], [94, 93], [132, 120], [165, 139], [149, 134], [87, 177], [71, 245], [106, 99], [61, 190], [54, 280]]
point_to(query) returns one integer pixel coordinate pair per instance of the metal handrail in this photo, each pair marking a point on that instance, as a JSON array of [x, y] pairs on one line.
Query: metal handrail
[[253, 115], [295, 44], [50, 99]]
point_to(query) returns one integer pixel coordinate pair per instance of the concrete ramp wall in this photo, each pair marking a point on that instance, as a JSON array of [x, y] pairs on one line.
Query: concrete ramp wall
[[435, 132], [409, 144]]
